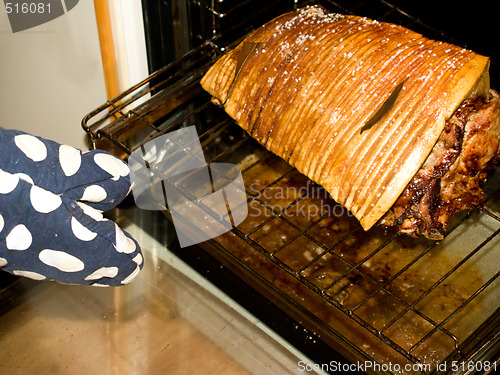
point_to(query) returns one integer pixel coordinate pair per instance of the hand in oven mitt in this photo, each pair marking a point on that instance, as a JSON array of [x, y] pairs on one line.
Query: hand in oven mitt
[[51, 223]]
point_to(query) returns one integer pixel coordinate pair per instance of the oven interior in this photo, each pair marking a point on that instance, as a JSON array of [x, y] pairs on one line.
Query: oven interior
[[368, 296]]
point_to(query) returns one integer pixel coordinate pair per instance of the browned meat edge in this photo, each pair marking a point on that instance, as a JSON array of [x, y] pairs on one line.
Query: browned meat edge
[[452, 177]]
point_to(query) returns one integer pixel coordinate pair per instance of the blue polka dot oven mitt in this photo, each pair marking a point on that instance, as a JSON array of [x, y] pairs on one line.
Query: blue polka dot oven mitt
[[52, 197]]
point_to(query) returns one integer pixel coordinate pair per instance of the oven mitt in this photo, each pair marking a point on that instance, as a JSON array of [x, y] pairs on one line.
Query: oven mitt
[[51, 222]]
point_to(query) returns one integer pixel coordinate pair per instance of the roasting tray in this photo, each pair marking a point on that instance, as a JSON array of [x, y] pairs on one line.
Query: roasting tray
[[377, 298]]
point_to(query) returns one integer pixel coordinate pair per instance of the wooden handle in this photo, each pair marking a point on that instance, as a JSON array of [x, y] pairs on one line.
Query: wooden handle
[[107, 48]]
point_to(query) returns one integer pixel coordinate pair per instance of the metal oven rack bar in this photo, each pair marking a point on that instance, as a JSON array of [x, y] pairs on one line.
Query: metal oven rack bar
[[316, 287]]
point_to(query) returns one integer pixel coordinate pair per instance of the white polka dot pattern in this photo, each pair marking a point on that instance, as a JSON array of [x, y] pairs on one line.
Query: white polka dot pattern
[[19, 238], [29, 274], [31, 146], [80, 232], [138, 259], [115, 167], [61, 260], [103, 272], [52, 226], [8, 182], [70, 159], [43, 200], [94, 193], [132, 276], [123, 243], [91, 211], [25, 177]]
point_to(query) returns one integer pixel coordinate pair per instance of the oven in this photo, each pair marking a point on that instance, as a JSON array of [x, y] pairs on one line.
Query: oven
[[323, 295]]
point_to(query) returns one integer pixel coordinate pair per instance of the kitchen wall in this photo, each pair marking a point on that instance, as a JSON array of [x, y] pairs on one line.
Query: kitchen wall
[[51, 75]]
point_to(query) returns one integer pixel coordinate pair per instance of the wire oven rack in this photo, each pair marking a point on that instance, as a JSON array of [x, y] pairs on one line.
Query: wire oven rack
[[372, 296]]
